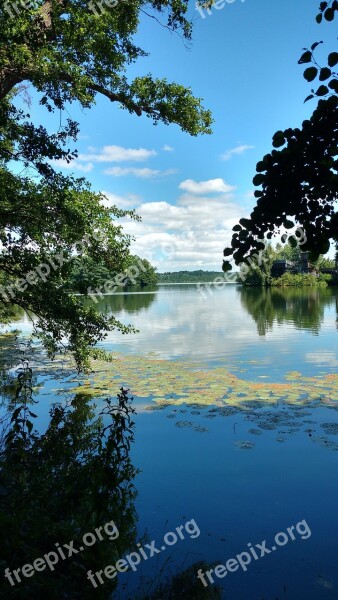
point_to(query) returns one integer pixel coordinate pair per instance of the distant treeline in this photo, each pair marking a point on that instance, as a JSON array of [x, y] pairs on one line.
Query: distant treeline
[[188, 276]]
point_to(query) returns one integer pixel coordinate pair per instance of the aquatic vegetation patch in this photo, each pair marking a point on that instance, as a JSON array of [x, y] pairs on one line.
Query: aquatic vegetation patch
[[330, 428], [255, 431], [324, 442], [186, 389], [174, 383], [244, 445], [191, 425]]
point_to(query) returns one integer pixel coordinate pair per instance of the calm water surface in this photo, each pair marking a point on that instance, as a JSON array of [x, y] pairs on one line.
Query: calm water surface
[[283, 330], [237, 495]]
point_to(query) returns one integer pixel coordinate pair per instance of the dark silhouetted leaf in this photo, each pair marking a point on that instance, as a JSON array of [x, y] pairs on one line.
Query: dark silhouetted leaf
[[226, 266], [322, 90], [325, 73], [333, 59], [305, 58], [310, 74], [308, 98], [333, 85], [258, 179], [292, 242], [278, 139], [329, 14]]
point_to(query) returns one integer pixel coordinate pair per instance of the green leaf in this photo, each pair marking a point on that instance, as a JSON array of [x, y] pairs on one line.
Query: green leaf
[[310, 74], [227, 252], [15, 414], [319, 18], [288, 224]]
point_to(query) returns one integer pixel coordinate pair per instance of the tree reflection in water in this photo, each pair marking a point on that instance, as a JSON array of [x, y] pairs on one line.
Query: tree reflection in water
[[60, 485], [304, 308], [130, 302]]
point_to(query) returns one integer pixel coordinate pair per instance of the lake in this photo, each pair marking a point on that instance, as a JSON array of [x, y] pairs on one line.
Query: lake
[[236, 431]]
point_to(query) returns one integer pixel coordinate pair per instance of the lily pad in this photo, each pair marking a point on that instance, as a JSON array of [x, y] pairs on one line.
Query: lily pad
[[244, 445]]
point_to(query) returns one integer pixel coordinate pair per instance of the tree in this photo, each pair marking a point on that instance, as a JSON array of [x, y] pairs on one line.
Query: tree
[[325, 263], [87, 273], [298, 180], [69, 53], [147, 273], [260, 273], [287, 252]]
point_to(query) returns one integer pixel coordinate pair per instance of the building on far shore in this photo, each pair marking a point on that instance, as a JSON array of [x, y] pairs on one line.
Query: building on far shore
[[279, 267]]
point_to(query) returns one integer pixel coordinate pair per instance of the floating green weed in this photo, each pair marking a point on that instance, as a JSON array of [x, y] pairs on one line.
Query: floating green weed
[[176, 383]]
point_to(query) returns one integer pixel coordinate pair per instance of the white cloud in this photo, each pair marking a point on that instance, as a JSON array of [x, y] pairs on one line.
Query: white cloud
[[144, 173], [124, 202], [217, 186], [167, 148], [204, 203], [74, 165], [116, 154], [190, 234], [84, 162], [239, 150]]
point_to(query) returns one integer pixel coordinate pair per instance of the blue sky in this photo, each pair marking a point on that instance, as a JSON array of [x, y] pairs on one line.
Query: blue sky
[[191, 191]]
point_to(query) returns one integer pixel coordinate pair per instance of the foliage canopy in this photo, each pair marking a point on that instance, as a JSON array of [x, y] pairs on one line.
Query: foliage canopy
[[298, 181], [68, 53]]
